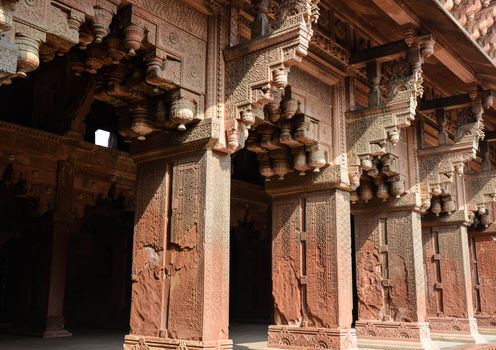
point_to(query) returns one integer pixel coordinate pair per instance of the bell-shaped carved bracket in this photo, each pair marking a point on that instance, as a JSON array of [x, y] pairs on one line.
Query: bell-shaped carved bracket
[[480, 190], [438, 167]]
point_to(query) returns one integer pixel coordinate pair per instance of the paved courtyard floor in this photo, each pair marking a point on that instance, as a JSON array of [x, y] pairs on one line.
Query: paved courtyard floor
[[245, 337]]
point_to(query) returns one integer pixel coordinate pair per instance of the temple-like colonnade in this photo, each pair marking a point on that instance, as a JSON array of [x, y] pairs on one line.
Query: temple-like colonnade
[[324, 167]]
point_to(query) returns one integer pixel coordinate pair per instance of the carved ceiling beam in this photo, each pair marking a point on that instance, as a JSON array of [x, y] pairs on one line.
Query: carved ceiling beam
[[392, 50], [455, 102], [259, 69]]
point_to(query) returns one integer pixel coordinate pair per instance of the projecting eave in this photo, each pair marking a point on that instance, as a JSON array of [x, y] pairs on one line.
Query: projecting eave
[[453, 36]]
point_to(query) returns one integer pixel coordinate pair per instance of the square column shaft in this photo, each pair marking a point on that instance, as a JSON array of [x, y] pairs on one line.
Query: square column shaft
[[450, 307], [311, 272], [390, 281], [483, 257], [181, 254]]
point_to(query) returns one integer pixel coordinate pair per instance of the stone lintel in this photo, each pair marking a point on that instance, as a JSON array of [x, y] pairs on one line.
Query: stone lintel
[[408, 202], [333, 176], [167, 144]]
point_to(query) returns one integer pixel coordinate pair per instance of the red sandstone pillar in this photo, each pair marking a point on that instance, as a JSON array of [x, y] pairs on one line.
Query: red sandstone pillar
[[450, 307], [390, 280], [483, 257], [59, 238], [181, 246], [311, 272]]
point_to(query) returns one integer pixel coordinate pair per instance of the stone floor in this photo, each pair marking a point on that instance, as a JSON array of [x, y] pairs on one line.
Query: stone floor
[[245, 337]]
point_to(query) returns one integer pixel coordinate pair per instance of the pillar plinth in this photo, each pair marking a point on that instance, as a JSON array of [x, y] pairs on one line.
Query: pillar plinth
[[390, 281], [311, 272], [450, 307], [181, 254]]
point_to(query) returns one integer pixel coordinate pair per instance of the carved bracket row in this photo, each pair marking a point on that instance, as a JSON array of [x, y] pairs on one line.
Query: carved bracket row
[[370, 129], [258, 70]]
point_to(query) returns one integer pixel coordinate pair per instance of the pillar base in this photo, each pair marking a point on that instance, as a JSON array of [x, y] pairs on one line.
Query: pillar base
[[394, 335], [486, 324], [136, 342], [56, 333], [285, 337], [455, 329]]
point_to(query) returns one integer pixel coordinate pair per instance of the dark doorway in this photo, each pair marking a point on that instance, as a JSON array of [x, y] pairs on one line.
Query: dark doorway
[[250, 249]]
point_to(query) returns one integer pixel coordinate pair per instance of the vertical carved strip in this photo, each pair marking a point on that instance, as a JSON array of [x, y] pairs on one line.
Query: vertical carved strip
[[454, 299], [320, 264], [149, 245], [286, 263], [186, 250], [371, 296]]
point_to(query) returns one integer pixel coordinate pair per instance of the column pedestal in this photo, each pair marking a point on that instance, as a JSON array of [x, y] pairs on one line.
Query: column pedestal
[[390, 281], [181, 254], [450, 300], [311, 272]]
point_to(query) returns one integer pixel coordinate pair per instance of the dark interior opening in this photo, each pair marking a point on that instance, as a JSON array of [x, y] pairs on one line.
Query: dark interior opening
[[250, 295]]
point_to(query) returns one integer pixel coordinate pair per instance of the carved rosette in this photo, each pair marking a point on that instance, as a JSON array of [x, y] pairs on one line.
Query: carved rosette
[[258, 70]]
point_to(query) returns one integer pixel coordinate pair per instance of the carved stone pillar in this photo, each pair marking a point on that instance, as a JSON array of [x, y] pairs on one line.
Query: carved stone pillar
[[390, 280], [449, 293], [59, 239], [483, 258], [311, 272], [181, 245]]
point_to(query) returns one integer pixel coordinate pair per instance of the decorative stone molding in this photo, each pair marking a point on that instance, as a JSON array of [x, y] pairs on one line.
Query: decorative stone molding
[[258, 70], [134, 342], [318, 338]]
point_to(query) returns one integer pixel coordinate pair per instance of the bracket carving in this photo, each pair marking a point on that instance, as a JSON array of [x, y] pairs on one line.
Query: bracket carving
[[258, 70], [480, 190], [370, 129]]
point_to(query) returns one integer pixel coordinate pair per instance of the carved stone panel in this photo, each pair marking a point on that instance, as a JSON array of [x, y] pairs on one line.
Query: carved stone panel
[[286, 261], [149, 245], [185, 273], [321, 277]]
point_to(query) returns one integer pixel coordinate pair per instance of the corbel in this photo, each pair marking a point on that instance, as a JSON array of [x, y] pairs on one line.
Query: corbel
[[258, 69], [138, 33], [100, 22], [162, 70], [28, 42], [480, 190], [438, 167], [397, 68]]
